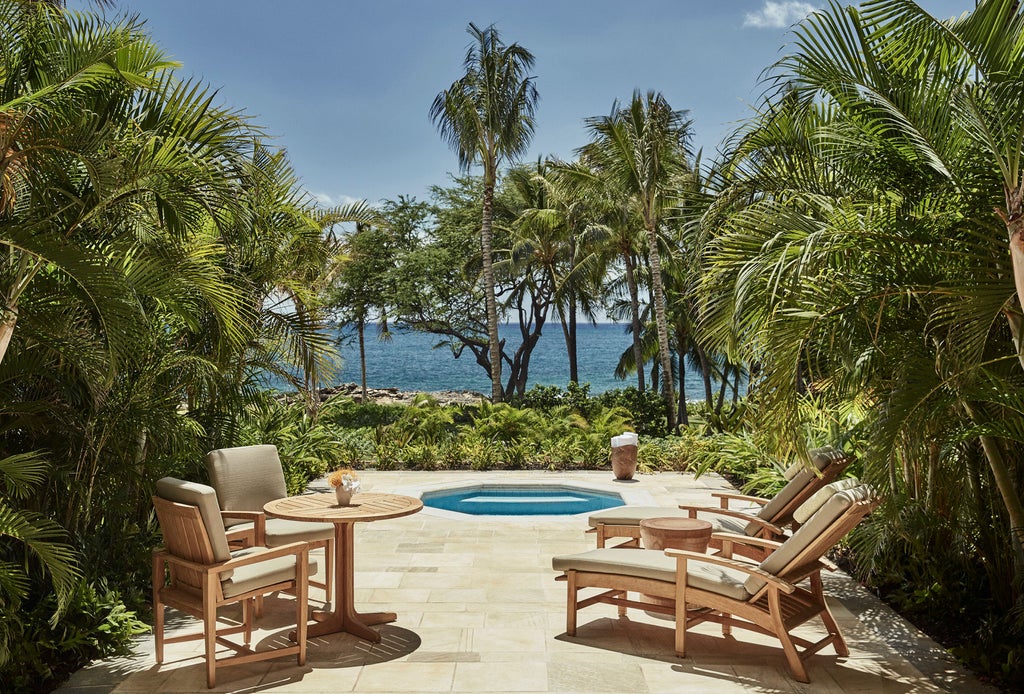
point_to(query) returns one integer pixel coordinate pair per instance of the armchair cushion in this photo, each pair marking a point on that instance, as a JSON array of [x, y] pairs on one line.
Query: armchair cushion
[[246, 478], [264, 573], [281, 532], [205, 498]]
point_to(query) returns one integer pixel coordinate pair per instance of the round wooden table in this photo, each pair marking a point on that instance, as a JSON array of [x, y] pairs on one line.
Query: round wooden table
[[364, 508], [690, 534]]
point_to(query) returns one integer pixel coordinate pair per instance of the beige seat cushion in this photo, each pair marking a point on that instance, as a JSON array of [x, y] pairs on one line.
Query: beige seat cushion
[[654, 564], [812, 529], [264, 573], [632, 515], [281, 531], [818, 499]]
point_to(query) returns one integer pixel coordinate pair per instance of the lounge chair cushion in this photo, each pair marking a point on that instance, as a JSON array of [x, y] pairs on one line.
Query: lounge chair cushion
[[205, 498], [632, 515], [780, 559], [264, 573], [821, 458], [654, 564], [818, 499], [246, 478]]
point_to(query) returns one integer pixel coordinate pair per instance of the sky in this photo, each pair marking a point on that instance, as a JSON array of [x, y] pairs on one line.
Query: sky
[[345, 86]]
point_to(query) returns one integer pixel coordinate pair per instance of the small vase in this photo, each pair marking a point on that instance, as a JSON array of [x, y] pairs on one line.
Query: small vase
[[343, 495], [624, 462]]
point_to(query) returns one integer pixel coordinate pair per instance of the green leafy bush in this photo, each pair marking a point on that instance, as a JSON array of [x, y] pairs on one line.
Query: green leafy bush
[[95, 624]]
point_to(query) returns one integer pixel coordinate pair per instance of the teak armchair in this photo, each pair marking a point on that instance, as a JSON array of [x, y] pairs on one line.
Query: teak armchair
[[768, 522], [204, 576], [246, 478], [767, 598]]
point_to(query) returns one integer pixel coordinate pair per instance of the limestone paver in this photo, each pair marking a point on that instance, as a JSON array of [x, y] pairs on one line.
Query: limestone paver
[[479, 611]]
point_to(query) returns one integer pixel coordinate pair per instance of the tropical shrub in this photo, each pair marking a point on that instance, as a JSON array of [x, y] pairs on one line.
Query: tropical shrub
[[94, 623]]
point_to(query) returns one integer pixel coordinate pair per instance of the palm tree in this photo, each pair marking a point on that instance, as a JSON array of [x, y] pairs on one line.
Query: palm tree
[[547, 233], [642, 148], [486, 116], [866, 263]]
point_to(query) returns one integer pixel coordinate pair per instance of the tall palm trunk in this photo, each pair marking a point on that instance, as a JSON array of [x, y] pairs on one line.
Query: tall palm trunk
[[567, 318], [486, 240], [664, 355], [361, 329], [1013, 217], [634, 308]]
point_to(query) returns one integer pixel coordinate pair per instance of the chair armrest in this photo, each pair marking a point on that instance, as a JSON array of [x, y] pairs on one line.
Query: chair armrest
[[726, 497], [296, 548], [763, 524], [749, 569], [769, 545], [259, 520]]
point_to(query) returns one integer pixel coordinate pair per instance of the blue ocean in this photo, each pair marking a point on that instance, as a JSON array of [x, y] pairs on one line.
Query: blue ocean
[[409, 361]]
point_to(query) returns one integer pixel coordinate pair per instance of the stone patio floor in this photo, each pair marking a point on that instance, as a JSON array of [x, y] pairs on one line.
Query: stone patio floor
[[479, 611]]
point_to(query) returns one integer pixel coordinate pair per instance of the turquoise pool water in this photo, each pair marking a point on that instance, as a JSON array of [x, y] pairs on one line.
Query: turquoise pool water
[[521, 500]]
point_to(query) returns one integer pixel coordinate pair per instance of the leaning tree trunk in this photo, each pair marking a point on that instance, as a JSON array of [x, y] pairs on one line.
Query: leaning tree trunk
[[1013, 217], [664, 355], [7, 330], [634, 308], [1007, 490], [486, 237]]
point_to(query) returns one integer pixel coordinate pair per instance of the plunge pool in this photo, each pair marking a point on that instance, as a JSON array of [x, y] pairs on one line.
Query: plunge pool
[[521, 500]]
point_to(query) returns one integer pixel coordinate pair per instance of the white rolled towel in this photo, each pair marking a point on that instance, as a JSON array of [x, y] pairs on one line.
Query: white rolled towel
[[625, 439]]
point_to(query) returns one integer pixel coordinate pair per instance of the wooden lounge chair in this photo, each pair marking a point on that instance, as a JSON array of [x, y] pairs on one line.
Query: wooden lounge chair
[[205, 575], [246, 478], [768, 522], [769, 598]]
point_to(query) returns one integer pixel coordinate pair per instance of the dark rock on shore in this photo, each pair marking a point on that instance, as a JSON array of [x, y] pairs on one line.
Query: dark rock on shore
[[394, 396]]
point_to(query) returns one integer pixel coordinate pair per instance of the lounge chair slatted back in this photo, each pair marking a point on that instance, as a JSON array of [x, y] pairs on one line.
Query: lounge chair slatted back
[[828, 463]]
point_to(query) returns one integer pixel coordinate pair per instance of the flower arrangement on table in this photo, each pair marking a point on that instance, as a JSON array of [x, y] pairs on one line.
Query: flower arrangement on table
[[345, 482]]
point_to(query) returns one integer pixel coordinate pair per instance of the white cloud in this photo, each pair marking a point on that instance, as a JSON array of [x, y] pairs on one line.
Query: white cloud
[[777, 15], [328, 200]]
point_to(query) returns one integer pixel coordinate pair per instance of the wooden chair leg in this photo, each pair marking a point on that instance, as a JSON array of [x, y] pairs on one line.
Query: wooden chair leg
[[302, 602], [158, 608], [600, 536], [838, 642], [210, 628], [681, 608], [259, 606], [247, 610], [796, 665], [570, 608]]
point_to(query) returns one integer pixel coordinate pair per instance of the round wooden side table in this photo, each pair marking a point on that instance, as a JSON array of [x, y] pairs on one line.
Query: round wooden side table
[[691, 534]]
